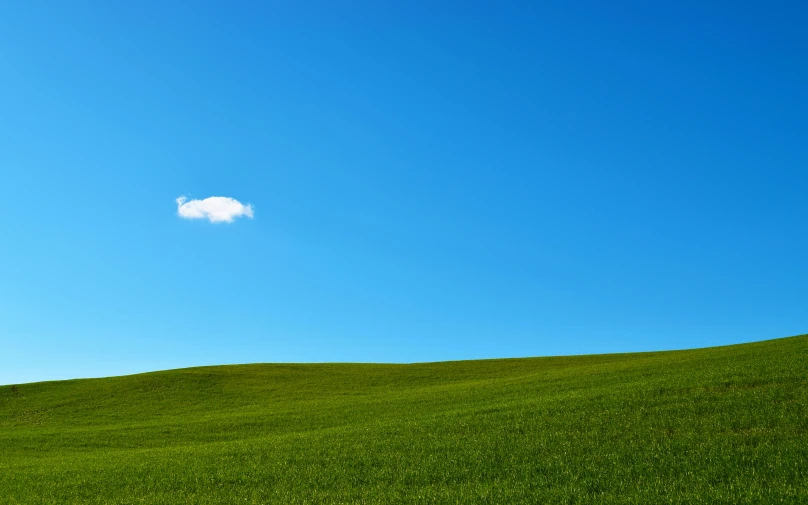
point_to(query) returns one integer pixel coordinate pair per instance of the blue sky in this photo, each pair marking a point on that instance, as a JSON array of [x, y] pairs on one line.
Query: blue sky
[[428, 181]]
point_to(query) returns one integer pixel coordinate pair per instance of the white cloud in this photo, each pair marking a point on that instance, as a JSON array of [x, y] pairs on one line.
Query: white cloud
[[216, 209]]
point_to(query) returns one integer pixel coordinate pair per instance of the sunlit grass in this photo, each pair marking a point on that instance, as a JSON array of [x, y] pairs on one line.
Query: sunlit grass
[[720, 425]]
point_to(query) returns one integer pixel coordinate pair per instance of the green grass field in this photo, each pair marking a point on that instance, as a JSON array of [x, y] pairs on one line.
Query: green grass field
[[719, 425]]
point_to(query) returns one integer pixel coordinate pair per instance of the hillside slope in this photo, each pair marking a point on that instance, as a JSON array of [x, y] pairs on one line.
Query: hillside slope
[[718, 425]]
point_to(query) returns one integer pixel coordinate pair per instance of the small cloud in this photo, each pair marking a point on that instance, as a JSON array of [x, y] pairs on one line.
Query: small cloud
[[216, 209]]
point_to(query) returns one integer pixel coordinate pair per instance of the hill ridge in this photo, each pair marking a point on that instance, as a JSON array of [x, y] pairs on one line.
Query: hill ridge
[[722, 424]]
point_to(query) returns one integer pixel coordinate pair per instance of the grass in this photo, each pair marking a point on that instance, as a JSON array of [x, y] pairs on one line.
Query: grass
[[719, 425]]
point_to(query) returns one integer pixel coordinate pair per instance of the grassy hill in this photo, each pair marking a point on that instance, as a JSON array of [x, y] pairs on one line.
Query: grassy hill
[[719, 425]]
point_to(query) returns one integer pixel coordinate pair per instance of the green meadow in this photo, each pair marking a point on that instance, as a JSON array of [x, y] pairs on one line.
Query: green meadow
[[717, 425]]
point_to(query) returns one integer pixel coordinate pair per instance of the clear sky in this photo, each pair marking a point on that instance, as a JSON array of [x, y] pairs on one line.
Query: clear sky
[[426, 180]]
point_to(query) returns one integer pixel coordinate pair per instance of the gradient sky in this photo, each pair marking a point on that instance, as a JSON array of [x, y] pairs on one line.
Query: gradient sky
[[429, 181]]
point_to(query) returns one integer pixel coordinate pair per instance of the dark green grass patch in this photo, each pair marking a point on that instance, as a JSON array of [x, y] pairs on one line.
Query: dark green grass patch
[[721, 425]]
